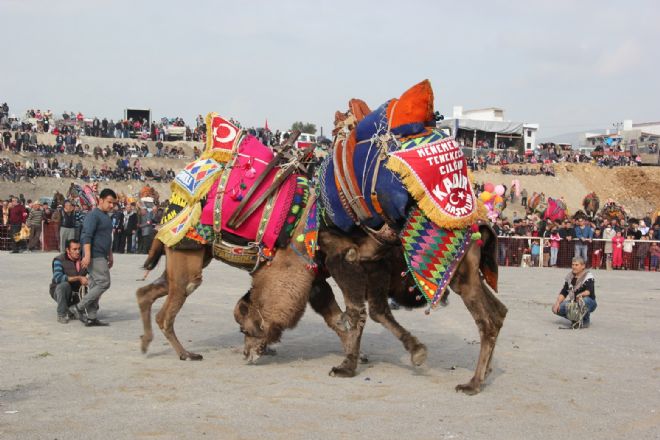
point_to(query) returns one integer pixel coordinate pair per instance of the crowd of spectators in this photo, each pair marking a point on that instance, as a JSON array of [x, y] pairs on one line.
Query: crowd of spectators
[[613, 243], [123, 170], [134, 226]]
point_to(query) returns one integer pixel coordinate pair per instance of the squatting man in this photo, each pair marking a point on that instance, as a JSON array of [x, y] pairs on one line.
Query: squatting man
[[579, 285]]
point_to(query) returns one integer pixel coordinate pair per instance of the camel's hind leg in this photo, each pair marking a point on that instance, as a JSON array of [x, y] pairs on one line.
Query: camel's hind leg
[[352, 281], [488, 313], [146, 296], [184, 275], [379, 311]]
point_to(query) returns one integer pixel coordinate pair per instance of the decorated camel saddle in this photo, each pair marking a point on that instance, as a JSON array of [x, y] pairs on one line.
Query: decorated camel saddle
[[237, 196], [391, 169]]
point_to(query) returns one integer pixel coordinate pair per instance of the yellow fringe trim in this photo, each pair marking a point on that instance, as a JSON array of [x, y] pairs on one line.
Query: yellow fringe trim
[[427, 205], [165, 234]]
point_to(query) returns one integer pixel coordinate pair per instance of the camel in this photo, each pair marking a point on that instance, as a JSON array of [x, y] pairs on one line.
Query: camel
[[591, 204]]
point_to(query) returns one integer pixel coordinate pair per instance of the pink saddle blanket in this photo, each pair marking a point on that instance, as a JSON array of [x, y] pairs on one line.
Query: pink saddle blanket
[[253, 158]]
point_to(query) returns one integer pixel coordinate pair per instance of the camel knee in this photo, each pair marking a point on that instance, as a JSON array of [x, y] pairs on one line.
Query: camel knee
[[193, 285]]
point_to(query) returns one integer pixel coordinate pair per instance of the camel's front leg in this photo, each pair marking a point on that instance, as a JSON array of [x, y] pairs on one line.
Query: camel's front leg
[[146, 296]]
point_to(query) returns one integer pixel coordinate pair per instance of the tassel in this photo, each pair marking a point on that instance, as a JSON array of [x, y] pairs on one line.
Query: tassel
[[480, 243], [411, 289]]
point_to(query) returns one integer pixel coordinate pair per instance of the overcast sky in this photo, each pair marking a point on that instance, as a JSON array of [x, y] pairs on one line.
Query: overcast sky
[[567, 65]]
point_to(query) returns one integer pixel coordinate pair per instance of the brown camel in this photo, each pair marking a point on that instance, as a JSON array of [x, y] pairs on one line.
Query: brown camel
[[281, 288], [365, 276]]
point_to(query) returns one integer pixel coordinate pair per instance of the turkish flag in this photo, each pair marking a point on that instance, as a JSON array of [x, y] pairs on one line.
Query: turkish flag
[[223, 133]]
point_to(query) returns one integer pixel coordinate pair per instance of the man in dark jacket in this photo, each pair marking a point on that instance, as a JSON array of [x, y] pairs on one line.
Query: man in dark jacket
[[117, 229], [68, 277], [129, 234]]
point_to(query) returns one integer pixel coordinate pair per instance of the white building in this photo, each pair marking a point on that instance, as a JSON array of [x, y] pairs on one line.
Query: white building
[[486, 128]]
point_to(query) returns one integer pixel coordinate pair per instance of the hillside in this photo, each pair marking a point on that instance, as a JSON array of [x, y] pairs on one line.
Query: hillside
[[637, 188]]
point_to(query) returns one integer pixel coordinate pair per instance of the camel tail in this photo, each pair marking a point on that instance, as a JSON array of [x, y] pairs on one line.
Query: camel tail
[[488, 261], [157, 250]]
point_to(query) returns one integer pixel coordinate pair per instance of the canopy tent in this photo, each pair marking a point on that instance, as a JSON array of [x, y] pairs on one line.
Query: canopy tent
[[474, 132], [499, 127]]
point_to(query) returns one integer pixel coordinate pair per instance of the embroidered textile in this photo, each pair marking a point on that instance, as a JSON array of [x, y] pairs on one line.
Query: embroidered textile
[[435, 173], [432, 253], [194, 181]]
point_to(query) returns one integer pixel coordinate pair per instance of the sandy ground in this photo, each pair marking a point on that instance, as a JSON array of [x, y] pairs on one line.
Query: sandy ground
[[68, 381]]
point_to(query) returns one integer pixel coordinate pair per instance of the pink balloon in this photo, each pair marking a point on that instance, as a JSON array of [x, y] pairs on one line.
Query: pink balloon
[[489, 187], [499, 190]]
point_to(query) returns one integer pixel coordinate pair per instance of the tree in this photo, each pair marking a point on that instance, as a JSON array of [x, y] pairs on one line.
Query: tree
[[304, 127]]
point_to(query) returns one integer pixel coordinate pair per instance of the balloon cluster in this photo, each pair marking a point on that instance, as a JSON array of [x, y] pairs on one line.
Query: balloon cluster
[[493, 199]]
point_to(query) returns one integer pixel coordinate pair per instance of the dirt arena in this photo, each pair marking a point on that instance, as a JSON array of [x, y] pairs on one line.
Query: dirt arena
[[68, 381]]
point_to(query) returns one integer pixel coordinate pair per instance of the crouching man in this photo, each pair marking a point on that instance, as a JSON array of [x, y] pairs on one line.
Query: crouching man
[[579, 285], [68, 277]]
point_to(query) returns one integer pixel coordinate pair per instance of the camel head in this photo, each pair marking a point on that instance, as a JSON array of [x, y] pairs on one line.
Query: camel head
[[251, 323]]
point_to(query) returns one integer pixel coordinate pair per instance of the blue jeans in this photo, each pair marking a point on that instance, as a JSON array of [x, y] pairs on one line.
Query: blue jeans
[[591, 306], [581, 251], [553, 256]]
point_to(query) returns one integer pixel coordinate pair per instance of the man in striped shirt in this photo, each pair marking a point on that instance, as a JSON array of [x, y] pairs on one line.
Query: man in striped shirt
[[68, 277]]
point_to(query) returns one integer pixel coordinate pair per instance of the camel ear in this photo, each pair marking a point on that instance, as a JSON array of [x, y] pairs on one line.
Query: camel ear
[[243, 309]]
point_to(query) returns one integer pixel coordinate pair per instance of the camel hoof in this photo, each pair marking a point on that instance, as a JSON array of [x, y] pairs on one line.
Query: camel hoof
[[342, 372], [192, 356], [144, 344], [269, 352], [418, 355], [468, 388], [363, 358], [252, 356]]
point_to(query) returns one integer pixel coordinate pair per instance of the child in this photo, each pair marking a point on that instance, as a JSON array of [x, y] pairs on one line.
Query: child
[[628, 245], [617, 250], [555, 239], [654, 252], [642, 251], [536, 250]]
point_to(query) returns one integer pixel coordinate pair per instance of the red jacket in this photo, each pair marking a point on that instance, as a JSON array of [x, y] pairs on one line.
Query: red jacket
[[17, 215]]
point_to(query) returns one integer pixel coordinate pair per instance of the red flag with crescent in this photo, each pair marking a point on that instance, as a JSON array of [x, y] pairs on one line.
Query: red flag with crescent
[[220, 138]]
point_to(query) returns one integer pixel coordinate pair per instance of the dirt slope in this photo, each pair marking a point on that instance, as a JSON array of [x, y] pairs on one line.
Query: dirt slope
[[637, 188]]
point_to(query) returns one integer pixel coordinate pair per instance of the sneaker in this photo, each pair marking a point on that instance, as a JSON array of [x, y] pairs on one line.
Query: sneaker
[[95, 323], [63, 319]]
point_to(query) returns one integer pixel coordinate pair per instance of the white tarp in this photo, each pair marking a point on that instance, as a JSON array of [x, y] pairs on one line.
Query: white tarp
[[501, 127]]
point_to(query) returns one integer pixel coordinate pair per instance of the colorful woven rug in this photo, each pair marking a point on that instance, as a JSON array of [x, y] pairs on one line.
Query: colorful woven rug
[[309, 238], [432, 253]]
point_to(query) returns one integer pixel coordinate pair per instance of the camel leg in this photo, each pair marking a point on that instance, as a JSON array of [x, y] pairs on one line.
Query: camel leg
[[379, 311], [486, 310], [352, 281], [184, 275], [146, 296]]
